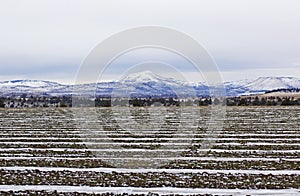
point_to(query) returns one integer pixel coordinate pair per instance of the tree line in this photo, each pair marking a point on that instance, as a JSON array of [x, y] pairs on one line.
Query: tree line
[[66, 101], [25, 101], [263, 101]]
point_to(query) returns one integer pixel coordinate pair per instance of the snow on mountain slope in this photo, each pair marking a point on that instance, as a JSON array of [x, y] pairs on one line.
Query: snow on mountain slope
[[142, 77], [28, 86], [260, 85], [148, 76], [148, 83], [142, 84], [29, 83], [271, 83], [238, 83]]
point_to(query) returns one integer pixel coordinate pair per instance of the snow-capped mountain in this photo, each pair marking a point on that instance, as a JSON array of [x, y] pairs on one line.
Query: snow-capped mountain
[[148, 76], [146, 84], [260, 85], [150, 84], [28, 86]]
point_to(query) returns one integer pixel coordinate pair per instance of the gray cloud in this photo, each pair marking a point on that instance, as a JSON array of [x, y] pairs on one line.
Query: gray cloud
[[49, 36]]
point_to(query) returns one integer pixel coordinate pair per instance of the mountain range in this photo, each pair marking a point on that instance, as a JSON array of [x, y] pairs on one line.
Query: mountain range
[[145, 84]]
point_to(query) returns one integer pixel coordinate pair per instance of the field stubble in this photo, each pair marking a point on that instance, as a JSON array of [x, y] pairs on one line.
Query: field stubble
[[258, 148]]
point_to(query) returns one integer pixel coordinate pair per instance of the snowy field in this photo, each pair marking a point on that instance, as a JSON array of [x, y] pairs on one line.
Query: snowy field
[[51, 151]]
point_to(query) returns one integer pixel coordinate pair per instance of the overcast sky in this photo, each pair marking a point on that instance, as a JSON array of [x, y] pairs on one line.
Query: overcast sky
[[49, 39]]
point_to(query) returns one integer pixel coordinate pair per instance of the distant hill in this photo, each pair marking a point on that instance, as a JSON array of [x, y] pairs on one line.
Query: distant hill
[[261, 85], [147, 84]]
